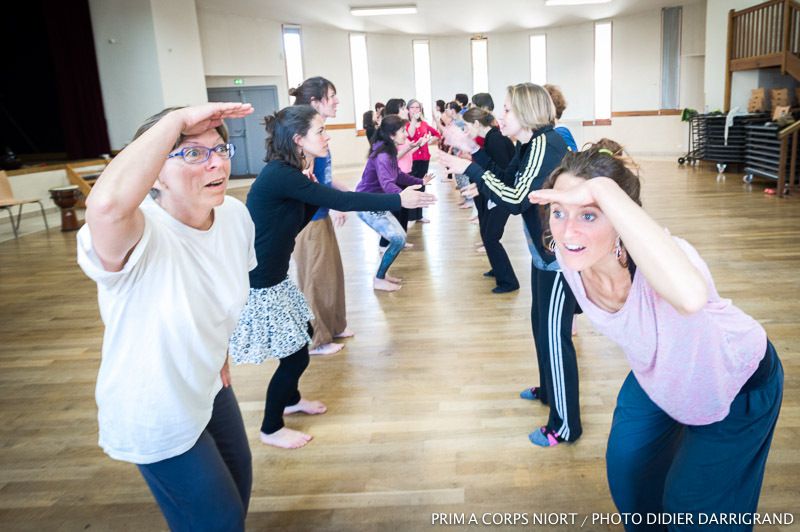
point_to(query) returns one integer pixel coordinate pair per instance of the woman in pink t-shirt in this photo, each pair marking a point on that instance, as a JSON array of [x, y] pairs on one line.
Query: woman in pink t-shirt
[[695, 417]]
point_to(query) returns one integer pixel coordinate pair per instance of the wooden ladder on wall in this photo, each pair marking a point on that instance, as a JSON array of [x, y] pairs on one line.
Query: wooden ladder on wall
[[762, 36]]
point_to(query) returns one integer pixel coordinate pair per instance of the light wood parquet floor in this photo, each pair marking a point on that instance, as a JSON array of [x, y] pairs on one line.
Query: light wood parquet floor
[[424, 415]]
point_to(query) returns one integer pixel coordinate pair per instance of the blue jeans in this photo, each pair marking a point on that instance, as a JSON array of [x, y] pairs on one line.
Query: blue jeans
[[656, 464], [208, 486], [386, 225]]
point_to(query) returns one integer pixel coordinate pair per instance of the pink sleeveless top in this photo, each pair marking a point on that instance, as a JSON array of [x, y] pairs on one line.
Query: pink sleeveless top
[[693, 366]]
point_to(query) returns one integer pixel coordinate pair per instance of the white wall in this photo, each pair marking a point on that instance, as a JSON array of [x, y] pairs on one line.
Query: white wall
[[127, 61], [252, 50], [570, 65], [636, 62], [326, 53], [213, 82], [148, 58], [391, 67], [179, 52], [643, 135], [716, 41], [509, 63], [234, 46], [240, 46], [693, 50], [451, 67]]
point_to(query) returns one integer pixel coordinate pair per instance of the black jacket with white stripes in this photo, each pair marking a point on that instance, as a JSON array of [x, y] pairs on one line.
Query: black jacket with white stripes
[[533, 162]]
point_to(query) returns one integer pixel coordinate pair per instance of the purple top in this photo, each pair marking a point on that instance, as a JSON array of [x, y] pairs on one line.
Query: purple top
[[381, 174], [692, 366]]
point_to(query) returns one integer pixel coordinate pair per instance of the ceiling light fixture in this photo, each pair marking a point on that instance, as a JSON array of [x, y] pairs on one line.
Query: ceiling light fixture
[[550, 3], [376, 11]]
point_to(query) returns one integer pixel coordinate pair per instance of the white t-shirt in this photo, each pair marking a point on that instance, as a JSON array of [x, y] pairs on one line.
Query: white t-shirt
[[168, 316]]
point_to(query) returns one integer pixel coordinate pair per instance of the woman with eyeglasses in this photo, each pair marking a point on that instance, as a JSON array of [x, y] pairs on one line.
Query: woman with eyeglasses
[[170, 254], [282, 201]]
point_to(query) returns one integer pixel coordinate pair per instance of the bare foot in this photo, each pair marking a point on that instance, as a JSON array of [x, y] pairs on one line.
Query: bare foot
[[286, 439], [480, 249], [424, 221], [326, 349], [346, 333], [408, 245], [465, 205], [305, 406], [383, 284], [395, 280]]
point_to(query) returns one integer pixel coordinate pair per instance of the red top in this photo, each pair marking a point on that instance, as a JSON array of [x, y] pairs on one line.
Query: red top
[[423, 128]]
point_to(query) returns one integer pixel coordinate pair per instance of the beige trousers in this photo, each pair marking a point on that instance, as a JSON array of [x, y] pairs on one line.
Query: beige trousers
[[320, 277]]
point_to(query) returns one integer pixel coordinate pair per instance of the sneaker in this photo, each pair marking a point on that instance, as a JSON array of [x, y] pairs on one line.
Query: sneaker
[[545, 437], [490, 273], [531, 394]]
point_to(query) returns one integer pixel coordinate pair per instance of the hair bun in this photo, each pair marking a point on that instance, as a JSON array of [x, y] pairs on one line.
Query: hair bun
[[293, 92]]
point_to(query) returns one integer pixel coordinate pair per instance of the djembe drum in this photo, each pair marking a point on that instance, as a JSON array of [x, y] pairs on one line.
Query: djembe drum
[[66, 197]]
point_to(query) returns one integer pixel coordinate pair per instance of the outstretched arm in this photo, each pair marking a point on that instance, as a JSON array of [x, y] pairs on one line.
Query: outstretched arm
[[295, 185], [515, 197]]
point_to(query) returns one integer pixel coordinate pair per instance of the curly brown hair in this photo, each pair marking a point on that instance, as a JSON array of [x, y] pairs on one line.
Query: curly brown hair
[[558, 99]]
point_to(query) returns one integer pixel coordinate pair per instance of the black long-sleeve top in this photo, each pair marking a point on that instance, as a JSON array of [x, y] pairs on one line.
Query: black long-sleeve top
[[533, 162], [500, 151], [281, 202]]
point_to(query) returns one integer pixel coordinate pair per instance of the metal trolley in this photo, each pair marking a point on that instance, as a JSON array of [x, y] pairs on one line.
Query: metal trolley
[[763, 158], [697, 141], [712, 141]]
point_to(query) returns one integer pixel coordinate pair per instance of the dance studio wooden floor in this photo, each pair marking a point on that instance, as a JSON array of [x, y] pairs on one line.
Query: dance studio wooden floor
[[423, 415]]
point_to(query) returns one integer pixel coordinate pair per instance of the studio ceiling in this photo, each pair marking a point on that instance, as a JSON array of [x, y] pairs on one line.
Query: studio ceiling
[[434, 17]]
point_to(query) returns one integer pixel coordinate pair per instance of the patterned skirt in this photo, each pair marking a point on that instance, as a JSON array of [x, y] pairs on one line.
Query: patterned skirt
[[273, 324]]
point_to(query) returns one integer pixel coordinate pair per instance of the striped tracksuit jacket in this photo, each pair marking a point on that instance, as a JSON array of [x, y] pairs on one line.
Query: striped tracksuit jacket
[[553, 304]]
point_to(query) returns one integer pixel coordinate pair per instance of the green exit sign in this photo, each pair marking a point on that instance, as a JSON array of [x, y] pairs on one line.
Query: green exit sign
[[238, 81]]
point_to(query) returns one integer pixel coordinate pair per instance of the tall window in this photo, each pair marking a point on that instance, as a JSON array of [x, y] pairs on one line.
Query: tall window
[[602, 70], [480, 65], [293, 53], [358, 62], [422, 75], [539, 59], [670, 57]]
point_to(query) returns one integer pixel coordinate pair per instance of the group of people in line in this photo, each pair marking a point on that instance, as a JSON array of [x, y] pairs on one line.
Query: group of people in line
[[187, 275]]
